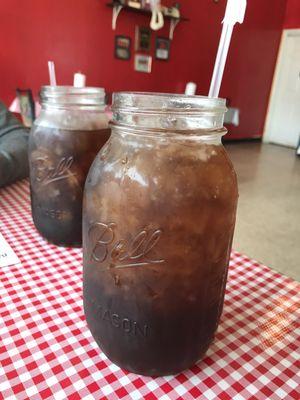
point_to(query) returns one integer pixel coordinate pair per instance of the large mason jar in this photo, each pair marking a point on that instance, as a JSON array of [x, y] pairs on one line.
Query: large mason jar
[[64, 140], [159, 213]]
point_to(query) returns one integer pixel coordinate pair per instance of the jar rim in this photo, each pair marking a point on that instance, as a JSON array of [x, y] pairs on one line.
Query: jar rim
[[154, 102], [71, 90], [70, 96]]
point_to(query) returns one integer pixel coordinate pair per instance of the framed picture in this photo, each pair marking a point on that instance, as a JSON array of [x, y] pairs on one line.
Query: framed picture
[[122, 47], [142, 39], [162, 48], [27, 107], [143, 63]]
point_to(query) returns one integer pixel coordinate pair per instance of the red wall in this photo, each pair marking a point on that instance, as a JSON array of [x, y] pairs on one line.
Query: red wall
[[77, 35], [292, 16]]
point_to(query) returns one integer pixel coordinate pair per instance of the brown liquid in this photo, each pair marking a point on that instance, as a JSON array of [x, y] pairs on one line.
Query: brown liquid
[[59, 163], [158, 226]]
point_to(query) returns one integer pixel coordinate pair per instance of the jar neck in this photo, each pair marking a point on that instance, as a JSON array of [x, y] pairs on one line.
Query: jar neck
[[166, 115], [133, 135], [72, 98]]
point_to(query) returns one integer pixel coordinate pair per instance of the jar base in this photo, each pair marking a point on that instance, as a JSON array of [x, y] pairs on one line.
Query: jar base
[[159, 372], [59, 243]]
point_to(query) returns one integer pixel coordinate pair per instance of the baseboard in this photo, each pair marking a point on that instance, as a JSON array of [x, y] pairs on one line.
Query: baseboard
[[242, 140]]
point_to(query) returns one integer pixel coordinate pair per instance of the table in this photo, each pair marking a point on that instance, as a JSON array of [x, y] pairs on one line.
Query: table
[[47, 350]]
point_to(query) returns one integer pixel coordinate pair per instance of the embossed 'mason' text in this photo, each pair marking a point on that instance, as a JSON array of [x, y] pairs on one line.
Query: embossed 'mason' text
[[53, 213], [119, 253], [127, 325]]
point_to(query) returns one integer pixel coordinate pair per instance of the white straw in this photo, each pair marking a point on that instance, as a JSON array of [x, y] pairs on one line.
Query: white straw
[[79, 80], [51, 68], [235, 12], [220, 61]]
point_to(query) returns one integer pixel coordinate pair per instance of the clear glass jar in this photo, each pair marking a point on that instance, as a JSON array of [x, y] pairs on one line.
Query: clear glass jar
[[64, 140], [158, 219]]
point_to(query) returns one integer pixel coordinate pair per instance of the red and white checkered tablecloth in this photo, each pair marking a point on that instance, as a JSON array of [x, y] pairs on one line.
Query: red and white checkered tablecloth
[[47, 351]]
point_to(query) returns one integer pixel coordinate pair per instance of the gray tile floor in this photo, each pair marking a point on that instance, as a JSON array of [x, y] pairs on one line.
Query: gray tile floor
[[268, 220]]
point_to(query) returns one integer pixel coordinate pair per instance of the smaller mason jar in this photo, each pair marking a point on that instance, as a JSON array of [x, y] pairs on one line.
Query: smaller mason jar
[[158, 219], [64, 140]]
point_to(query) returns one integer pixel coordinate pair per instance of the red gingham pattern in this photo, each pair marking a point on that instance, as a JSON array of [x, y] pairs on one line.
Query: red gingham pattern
[[47, 351]]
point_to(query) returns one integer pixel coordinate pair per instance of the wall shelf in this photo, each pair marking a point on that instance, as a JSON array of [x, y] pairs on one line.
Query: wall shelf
[[118, 7]]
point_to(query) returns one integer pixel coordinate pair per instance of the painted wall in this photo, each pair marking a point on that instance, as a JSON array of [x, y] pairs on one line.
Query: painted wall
[[292, 16], [77, 35]]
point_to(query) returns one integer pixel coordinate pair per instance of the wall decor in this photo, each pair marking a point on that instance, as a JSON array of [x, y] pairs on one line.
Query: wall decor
[[142, 63], [162, 48], [142, 7], [134, 3], [122, 47], [142, 38]]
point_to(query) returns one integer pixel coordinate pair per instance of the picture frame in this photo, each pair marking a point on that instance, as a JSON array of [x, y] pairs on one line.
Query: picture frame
[[27, 106], [143, 63], [142, 39], [162, 48], [122, 47]]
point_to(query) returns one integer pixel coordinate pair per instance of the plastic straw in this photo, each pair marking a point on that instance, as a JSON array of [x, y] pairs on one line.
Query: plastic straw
[[190, 88], [235, 12], [220, 61], [51, 68], [79, 80]]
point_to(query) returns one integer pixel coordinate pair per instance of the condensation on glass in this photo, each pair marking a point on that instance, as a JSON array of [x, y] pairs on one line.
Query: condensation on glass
[[70, 130], [159, 214]]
